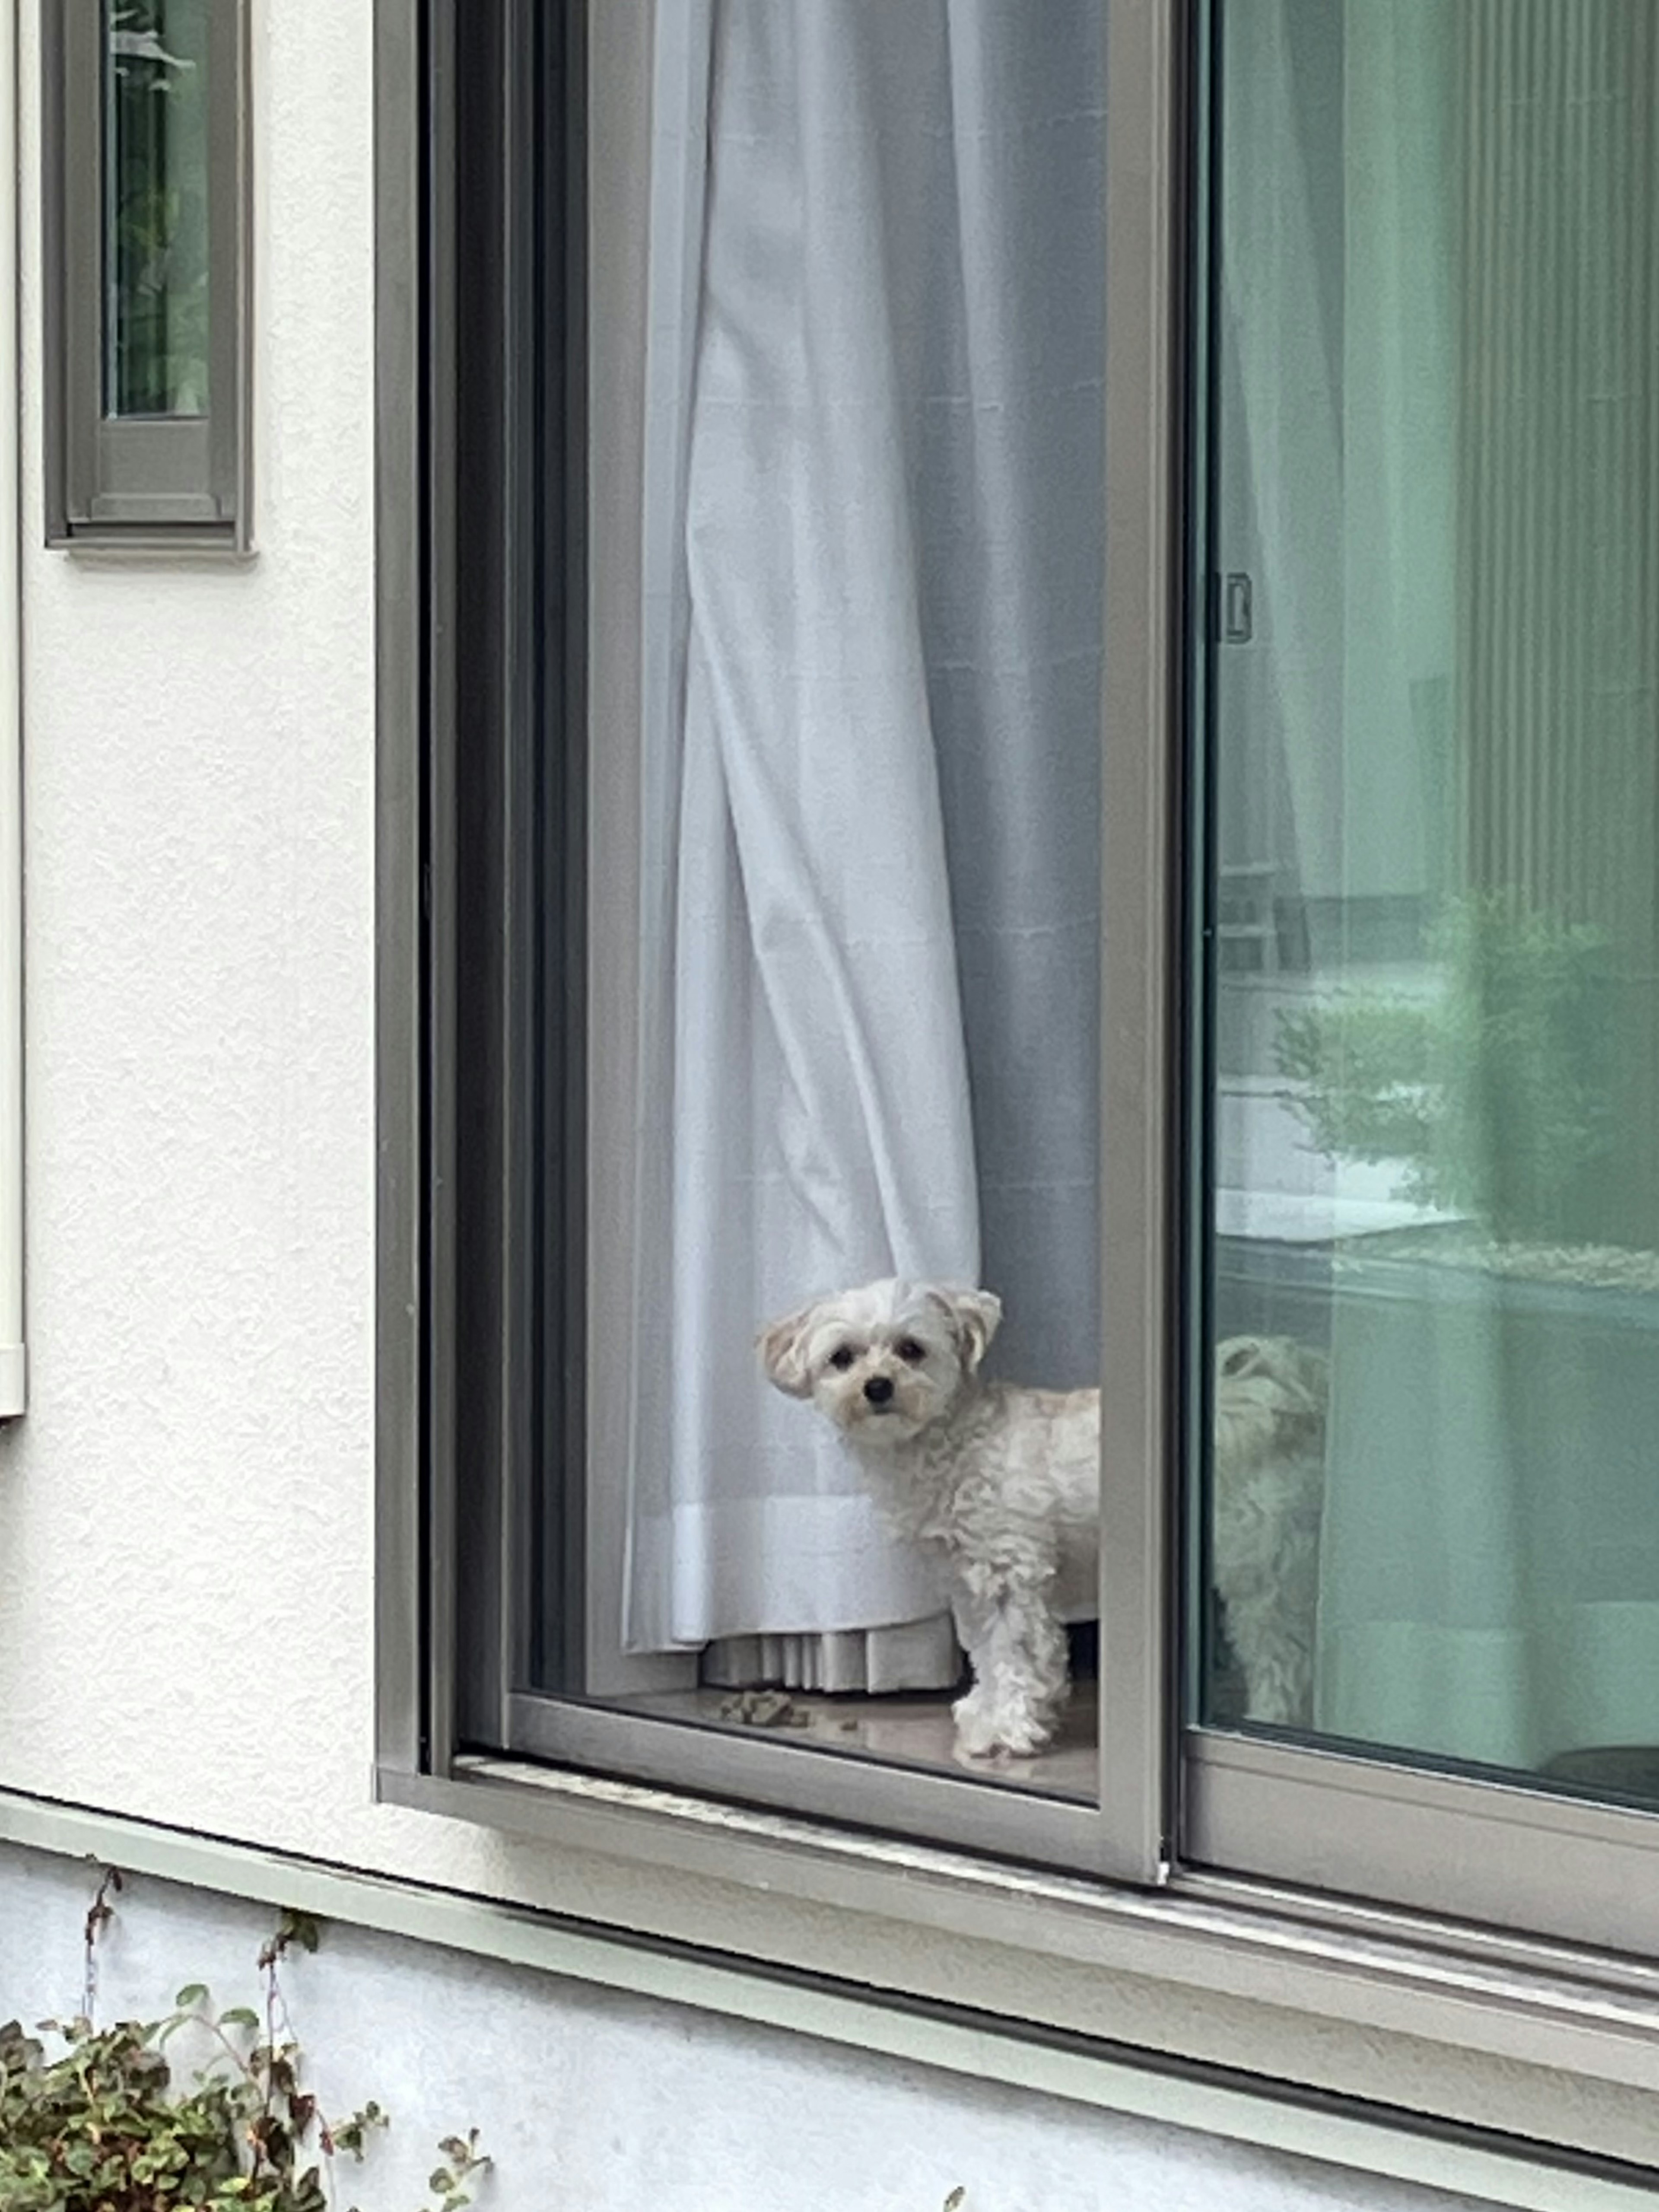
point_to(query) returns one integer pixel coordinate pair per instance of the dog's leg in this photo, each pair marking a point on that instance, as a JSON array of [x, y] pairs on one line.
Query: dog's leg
[[1276, 1658], [1272, 1618], [974, 1613], [1017, 1648], [1266, 1570]]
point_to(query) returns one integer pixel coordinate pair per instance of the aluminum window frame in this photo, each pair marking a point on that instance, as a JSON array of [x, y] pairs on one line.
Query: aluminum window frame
[[141, 484], [481, 561], [1177, 1873]]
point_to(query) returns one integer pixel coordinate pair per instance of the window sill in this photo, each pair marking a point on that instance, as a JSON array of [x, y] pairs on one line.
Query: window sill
[[1557, 2047], [218, 546]]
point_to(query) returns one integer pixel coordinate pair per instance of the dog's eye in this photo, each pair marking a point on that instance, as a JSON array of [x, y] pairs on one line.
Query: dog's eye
[[912, 1352], [842, 1357]]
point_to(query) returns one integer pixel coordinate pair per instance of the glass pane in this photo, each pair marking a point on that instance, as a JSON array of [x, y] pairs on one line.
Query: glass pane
[[155, 207], [1433, 684], [851, 853]]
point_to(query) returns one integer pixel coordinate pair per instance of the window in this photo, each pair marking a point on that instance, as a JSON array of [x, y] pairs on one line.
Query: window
[[756, 1026], [1035, 653], [146, 250], [847, 843], [1431, 1048]]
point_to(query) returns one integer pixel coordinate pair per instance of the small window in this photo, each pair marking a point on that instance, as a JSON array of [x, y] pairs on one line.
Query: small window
[[145, 245]]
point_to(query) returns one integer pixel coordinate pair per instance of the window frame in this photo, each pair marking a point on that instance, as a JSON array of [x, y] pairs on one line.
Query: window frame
[[145, 483], [1181, 1875], [502, 695]]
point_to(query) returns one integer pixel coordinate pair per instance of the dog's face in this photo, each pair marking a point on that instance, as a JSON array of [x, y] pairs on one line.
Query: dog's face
[[884, 1361], [1270, 1398]]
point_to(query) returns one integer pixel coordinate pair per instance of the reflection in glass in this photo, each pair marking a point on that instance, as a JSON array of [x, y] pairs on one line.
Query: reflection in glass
[[155, 211], [1435, 1002]]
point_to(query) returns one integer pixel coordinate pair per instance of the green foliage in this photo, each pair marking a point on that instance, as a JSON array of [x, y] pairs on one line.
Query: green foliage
[[1493, 1094], [1363, 1067], [448, 2182], [93, 2119]]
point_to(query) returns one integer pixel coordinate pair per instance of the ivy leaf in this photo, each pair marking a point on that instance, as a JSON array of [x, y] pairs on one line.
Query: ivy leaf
[[298, 1927], [103, 2125]]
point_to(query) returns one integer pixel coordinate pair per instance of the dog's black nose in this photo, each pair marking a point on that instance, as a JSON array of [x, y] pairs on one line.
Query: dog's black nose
[[878, 1389]]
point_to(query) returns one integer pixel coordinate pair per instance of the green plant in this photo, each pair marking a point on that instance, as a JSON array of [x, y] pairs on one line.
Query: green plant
[[97, 2122], [1492, 1094]]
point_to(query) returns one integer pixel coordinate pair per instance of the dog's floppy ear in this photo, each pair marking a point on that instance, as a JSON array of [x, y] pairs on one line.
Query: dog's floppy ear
[[782, 1348], [975, 1315]]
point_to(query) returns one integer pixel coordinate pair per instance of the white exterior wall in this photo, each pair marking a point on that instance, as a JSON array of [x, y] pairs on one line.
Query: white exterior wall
[[185, 1515], [600, 2102]]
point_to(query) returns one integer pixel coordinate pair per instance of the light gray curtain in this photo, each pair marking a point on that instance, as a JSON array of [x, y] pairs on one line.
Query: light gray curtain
[[874, 599]]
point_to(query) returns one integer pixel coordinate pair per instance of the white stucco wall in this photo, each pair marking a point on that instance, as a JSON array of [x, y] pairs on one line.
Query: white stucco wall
[[185, 1516], [600, 2102]]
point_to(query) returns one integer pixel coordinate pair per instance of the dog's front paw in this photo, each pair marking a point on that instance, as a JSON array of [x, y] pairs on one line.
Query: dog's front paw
[[986, 1729], [975, 1732]]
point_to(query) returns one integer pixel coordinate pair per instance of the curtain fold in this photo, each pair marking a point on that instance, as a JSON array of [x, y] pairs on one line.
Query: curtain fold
[[873, 613], [918, 1655]]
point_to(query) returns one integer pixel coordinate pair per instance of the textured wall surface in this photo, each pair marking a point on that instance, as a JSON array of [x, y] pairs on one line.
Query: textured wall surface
[[185, 1516], [594, 2100]]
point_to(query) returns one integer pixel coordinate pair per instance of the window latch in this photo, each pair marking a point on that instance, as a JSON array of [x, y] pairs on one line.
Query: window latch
[[1236, 609]]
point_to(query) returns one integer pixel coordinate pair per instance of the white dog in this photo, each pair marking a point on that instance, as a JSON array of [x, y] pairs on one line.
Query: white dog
[[1003, 1484]]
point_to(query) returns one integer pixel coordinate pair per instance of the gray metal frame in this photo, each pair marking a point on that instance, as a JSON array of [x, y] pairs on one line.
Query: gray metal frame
[[401, 628], [1147, 113], [142, 484], [1480, 1850]]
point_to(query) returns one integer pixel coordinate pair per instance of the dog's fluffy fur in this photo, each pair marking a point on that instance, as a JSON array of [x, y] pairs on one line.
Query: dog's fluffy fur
[[1003, 1483]]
